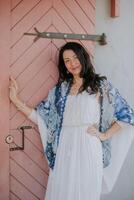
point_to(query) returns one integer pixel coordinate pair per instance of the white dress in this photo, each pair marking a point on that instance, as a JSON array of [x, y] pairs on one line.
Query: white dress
[[78, 169], [78, 172]]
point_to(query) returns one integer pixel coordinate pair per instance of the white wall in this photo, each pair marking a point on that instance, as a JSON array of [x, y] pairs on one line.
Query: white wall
[[116, 61]]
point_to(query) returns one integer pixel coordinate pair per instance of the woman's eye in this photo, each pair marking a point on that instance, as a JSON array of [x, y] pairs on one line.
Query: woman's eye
[[66, 61], [75, 57]]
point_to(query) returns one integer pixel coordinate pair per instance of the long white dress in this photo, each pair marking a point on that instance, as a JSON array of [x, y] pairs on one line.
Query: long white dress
[[78, 172], [78, 169]]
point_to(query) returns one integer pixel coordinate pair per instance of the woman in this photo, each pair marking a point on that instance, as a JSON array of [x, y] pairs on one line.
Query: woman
[[76, 122]]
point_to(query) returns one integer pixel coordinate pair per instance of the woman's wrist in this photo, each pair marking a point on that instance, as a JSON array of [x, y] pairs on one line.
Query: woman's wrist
[[18, 103], [107, 136], [15, 100], [103, 136], [21, 106]]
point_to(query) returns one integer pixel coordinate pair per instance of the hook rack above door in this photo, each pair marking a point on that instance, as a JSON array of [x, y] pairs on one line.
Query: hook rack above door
[[52, 35]]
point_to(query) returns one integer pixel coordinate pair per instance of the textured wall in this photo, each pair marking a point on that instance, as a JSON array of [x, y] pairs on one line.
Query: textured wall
[[115, 60]]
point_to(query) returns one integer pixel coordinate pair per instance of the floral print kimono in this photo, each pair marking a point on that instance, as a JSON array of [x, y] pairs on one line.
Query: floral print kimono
[[113, 107]]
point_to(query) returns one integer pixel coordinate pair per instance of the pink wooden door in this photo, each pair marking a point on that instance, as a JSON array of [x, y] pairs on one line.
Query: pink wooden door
[[33, 65], [4, 101]]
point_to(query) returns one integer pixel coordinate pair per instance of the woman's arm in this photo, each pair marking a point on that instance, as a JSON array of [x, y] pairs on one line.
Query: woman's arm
[[31, 113], [26, 110], [114, 129]]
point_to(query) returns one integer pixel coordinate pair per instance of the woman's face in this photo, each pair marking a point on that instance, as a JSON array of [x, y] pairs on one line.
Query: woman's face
[[72, 62]]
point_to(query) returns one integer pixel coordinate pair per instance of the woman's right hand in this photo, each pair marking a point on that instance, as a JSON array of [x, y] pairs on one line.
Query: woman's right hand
[[13, 95], [13, 89]]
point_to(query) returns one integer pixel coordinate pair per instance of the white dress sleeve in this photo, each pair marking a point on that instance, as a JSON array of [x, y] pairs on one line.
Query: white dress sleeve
[[33, 116], [36, 118], [120, 144]]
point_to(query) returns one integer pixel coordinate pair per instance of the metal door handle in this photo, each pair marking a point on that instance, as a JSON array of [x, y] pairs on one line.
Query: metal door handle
[[10, 139]]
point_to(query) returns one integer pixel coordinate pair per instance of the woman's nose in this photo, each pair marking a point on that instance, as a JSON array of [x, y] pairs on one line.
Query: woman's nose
[[73, 62]]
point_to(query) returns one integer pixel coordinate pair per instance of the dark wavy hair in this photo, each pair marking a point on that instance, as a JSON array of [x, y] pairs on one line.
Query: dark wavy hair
[[91, 80]]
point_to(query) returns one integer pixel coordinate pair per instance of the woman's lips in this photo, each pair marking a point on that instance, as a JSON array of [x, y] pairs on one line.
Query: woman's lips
[[74, 68]]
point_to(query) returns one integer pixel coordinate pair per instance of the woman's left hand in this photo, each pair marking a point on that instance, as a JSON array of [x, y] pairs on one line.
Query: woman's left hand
[[92, 130]]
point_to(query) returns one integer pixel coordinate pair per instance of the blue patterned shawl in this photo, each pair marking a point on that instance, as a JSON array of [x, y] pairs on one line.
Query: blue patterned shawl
[[112, 108]]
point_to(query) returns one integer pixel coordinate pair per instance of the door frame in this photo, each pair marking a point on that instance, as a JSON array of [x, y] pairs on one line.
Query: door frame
[[4, 99]]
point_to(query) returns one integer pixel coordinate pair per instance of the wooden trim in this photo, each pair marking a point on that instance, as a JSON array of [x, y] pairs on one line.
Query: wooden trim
[[4, 100], [115, 8]]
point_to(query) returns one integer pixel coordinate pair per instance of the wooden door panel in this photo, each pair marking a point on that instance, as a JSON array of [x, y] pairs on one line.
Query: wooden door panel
[[4, 100], [14, 3], [30, 20], [19, 191], [32, 70], [26, 43], [26, 179], [88, 8], [21, 10], [33, 65]]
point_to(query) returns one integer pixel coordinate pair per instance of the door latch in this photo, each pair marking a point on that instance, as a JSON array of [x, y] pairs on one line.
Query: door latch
[[10, 139]]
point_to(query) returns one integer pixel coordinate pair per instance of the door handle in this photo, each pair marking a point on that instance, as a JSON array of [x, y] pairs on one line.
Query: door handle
[[10, 139]]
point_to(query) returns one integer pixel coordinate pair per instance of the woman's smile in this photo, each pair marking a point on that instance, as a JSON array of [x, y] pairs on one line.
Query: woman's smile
[[72, 62]]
